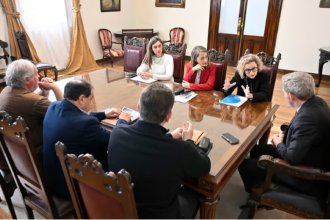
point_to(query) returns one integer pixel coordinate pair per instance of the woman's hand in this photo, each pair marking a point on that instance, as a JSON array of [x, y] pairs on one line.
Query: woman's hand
[[227, 85], [247, 92], [146, 75], [185, 84], [198, 67]]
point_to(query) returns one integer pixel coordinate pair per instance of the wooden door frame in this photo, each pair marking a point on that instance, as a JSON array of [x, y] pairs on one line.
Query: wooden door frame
[[271, 26]]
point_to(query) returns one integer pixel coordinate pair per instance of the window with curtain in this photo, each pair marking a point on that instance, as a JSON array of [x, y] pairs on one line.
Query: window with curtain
[[49, 25]]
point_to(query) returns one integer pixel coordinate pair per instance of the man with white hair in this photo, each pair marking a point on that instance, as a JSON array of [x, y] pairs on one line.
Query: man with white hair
[[18, 99]]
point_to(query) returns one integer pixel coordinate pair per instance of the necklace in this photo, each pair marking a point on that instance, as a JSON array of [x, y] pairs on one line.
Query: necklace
[[157, 60]]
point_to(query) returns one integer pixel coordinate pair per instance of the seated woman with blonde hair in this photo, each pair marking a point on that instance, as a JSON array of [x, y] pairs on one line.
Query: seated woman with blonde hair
[[200, 73], [249, 80], [156, 64]]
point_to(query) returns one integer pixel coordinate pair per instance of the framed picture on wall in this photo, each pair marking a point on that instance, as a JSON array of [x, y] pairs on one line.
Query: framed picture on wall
[[110, 5], [170, 3], [325, 4]]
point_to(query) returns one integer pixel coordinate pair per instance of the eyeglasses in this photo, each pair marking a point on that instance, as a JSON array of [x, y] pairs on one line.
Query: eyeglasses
[[252, 69]]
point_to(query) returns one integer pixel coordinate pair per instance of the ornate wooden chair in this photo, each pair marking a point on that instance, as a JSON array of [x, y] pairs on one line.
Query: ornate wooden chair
[[88, 183], [26, 54], [27, 172], [287, 199], [270, 67], [178, 53], [135, 49], [106, 41], [8, 187], [221, 61], [176, 36], [5, 55]]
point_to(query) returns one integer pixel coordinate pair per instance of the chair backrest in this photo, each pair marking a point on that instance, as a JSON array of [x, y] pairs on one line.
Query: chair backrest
[[105, 36], [5, 55], [87, 183], [23, 45], [270, 67], [134, 51], [178, 53], [137, 31], [177, 35], [25, 166], [220, 60]]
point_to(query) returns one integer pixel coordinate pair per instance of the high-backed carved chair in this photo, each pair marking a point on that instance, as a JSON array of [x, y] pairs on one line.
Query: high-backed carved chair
[[5, 55], [178, 53], [26, 54], [8, 187], [27, 171], [106, 41], [176, 35], [287, 199], [88, 183], [270, 67], [135, 49], [220, 60]]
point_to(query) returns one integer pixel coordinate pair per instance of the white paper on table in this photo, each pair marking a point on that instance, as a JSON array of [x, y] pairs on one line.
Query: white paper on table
[[139, 79]]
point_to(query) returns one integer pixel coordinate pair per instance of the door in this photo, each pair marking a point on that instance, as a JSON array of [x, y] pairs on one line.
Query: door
[[238, 25]]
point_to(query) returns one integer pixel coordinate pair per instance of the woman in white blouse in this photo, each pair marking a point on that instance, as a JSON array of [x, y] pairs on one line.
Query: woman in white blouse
[[156, 64]]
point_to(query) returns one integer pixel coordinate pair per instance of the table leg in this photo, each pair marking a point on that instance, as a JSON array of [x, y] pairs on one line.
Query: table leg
[[208, 207], [321, 63]]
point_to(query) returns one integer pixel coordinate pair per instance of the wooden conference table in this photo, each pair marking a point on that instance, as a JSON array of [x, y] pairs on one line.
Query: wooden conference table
[[249, 123]]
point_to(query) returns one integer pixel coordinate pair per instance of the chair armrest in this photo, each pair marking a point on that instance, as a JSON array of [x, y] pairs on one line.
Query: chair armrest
[[276, 165]]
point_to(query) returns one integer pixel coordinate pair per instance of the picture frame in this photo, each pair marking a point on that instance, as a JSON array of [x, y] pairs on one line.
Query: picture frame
[[109, 5], [324, 3], [170, 3]]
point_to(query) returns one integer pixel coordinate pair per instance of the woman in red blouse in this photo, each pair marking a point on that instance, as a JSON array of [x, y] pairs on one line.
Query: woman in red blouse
[[200, 73]]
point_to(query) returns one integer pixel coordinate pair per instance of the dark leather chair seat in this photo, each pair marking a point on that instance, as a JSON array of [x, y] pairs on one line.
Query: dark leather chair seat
[[284, 196]]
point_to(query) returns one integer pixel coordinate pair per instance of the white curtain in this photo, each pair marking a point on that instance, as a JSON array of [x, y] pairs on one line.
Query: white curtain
[[49, 25]]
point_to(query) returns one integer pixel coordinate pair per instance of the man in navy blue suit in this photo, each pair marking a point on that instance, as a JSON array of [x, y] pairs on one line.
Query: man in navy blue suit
[[70, 122], [157, 159], [305, 142]]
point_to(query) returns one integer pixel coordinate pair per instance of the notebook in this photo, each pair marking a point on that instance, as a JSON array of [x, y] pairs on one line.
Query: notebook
[[233, 100]]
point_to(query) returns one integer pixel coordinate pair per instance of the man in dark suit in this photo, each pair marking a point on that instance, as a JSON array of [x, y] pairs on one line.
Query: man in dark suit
[[158, 160], [70, 122], [305, 142]]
